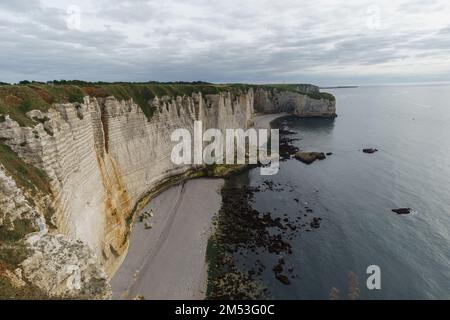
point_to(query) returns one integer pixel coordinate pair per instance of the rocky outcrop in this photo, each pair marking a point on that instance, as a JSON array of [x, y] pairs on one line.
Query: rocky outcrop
[[55, 265], [311, 104], [13, 204], [309, 157], [64, 268]]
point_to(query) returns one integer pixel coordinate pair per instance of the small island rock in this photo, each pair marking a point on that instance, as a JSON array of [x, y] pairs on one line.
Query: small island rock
[[402, 210], [309, 157], [283, 279]]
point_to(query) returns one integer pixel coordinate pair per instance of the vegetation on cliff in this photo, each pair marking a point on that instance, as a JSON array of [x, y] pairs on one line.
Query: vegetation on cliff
[[306, 89], [12, 286], [16, 100], [13, 251], [24, 174]]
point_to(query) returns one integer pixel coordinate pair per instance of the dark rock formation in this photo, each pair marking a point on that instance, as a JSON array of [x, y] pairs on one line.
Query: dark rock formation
[[315, 223], [309, 157], [286, 148], [283, 279], [402, 210], [278, 269]]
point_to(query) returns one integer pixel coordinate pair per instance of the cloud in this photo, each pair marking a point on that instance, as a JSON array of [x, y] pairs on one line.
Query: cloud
[[324, 41]]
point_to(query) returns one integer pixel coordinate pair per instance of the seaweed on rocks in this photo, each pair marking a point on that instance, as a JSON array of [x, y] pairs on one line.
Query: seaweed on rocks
[[244, 227], [242, 231], [286, 148], [248, 245]]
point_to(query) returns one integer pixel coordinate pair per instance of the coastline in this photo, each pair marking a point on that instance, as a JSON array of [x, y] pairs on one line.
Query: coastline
[[263, 121], [149, 269], [248, 243]]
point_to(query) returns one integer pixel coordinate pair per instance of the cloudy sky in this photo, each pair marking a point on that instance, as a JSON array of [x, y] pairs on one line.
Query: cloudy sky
[[259, 41]]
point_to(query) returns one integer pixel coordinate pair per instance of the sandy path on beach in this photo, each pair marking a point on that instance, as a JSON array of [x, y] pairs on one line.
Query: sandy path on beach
[[168, 261]]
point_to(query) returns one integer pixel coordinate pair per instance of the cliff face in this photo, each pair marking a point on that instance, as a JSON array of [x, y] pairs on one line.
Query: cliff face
[[100, 158], [36, 264], [296, 103]]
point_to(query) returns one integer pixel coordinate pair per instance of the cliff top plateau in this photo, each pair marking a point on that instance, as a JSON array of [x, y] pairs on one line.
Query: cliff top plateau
[[18, 99]]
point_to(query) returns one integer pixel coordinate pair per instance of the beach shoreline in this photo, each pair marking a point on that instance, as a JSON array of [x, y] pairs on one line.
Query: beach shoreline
[[263, 121]]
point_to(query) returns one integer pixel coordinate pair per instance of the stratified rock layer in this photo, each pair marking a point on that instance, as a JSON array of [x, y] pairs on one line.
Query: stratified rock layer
[[101, 157], [295, 103]]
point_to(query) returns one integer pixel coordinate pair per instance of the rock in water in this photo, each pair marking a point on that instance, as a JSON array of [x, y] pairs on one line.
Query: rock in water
[[283, 279], [309, 157], [402, 210], [370, 150], [278, 269], [315, 223]]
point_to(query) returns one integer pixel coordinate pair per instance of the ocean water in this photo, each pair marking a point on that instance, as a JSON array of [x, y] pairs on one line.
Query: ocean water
[[353, 193]]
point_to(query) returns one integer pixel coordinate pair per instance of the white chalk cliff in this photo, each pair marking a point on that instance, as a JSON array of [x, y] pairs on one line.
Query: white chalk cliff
[[302, 105], [101, 158]]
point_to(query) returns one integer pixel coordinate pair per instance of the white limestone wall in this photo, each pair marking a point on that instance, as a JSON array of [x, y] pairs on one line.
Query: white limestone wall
[[103, 156], [294, 103]]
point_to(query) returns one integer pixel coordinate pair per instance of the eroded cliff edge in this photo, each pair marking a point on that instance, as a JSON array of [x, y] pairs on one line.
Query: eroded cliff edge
[[313, 104], [71, 181]]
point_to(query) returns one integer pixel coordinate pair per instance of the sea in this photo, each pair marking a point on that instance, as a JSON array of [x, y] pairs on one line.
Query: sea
[[353, 193]]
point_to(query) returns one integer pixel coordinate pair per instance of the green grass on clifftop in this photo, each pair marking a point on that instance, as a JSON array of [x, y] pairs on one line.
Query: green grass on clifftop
[[306, 89], [17, 100]]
